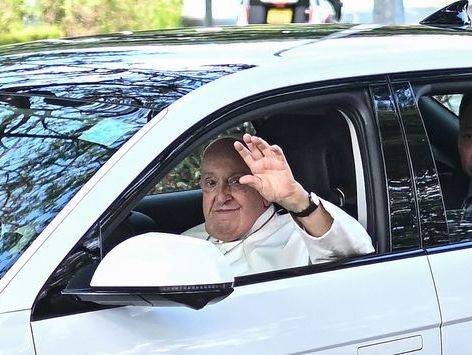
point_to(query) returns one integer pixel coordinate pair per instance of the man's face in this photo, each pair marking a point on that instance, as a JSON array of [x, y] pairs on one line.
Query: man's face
[[230, 209], [465, 140]]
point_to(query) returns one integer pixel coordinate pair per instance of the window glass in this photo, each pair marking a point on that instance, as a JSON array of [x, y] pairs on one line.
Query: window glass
[[443, 132], [57, 132], [49, 149]]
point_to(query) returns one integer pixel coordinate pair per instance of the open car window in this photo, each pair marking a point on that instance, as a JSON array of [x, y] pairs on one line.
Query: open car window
[[319, 140], [321, 147]]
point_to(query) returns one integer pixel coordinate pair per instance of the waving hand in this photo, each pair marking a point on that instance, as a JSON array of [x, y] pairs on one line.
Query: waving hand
[[271, 174]]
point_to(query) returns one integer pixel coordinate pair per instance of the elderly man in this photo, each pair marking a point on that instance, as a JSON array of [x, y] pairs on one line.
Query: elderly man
[[240, 183]]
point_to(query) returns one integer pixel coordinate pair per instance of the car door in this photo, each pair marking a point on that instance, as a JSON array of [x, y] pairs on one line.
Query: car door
[[378, 304], [439, 96]]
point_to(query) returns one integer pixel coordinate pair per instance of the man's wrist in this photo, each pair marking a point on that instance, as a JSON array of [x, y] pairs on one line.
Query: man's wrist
[[313, 202]]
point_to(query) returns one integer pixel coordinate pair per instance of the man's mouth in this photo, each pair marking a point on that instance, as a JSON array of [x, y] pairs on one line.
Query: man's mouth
[[227, 210]]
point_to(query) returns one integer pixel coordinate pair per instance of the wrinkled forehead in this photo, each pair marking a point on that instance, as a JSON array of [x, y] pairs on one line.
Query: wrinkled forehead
[[220, 158]]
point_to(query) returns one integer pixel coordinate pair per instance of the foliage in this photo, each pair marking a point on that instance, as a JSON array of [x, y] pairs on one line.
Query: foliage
[[23, 20], [11, 15], [31, 34]]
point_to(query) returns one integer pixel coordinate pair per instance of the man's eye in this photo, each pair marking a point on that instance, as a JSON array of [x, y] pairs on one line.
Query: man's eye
[[210, 183], [467, 136], [234, 180]]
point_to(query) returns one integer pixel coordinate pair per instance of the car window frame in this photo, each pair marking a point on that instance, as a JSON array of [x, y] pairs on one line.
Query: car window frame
[[368, 136], [432, 216], [430, 83]]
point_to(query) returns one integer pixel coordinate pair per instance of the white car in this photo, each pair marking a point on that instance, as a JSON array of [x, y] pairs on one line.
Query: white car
[[100, 150]]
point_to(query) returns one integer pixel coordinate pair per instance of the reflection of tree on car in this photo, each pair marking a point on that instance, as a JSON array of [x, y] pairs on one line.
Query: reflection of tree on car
[[49, 147]]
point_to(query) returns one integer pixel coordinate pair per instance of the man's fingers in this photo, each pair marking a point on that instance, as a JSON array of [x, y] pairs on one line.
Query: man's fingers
[[244, 153], [252, 181], [258, 146], [278, 152], [252, 146]]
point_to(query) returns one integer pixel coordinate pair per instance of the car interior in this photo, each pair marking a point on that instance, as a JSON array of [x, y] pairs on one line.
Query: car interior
[[317, 144], [442, 126], [439, 104], [319, 136]]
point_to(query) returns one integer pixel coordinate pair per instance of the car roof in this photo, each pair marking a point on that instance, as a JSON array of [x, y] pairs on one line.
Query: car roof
[[156, 68], [251, 45]]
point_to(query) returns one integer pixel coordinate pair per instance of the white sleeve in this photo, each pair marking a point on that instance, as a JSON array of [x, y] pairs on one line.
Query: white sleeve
[[345, 238]]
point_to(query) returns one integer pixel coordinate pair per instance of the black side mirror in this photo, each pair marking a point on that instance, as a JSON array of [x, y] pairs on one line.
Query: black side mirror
[[454, 15]]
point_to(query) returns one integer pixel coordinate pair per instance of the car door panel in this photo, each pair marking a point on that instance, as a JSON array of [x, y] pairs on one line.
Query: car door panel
[[454, 288], [449, 263], [332, 312], [383, 304], [15, 334]]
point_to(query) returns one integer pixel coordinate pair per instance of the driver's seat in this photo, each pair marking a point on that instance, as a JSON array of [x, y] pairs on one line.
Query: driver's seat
[[319, 151]]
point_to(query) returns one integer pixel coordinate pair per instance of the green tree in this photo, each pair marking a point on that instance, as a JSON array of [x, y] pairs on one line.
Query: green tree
[[83, 17], [23, 20], [11, 15]]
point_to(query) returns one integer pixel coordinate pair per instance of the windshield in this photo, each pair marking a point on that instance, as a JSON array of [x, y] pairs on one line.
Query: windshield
[[60, 123], [49, 148]]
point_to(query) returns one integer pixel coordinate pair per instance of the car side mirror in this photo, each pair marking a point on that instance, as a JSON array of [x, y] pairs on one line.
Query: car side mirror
[[160, 269]]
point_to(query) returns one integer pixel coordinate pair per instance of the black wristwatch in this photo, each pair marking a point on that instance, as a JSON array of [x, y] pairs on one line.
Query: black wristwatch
[[312, 206]]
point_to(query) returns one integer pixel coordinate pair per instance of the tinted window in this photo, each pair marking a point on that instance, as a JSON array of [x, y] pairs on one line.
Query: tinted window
[[440, 115]]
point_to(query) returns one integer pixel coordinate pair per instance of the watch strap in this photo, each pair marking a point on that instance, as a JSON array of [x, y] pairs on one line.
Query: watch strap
[[312, 206]]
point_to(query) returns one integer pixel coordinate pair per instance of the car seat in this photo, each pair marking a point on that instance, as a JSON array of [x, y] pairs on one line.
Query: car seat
[[319, 151]]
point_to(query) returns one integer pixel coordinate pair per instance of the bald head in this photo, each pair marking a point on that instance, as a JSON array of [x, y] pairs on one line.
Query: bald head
[[223, 147]]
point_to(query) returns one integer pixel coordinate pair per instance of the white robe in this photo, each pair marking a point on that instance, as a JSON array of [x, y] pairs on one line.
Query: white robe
[[280, 243]]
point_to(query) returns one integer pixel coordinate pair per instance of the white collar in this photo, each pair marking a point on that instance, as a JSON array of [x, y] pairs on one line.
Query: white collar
[[260, 222]]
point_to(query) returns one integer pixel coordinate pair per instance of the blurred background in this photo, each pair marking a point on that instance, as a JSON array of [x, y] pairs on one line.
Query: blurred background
[[26, 20]]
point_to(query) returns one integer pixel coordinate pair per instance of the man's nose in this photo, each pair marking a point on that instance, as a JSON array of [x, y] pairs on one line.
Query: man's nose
[[223, 192]]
